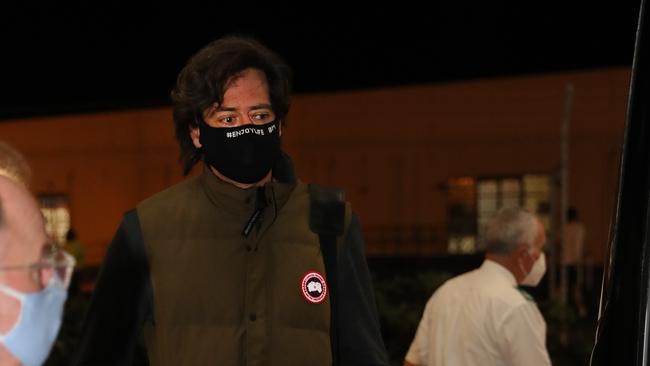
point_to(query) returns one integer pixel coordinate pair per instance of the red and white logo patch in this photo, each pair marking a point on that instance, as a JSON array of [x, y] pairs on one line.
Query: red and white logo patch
[[314, 287]]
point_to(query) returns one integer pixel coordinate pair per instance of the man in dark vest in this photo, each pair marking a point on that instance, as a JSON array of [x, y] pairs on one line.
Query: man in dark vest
[[244, 264]]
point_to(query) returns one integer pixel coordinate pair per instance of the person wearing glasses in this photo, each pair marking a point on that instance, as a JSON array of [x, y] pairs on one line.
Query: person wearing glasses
[[33, 279], [226, 267]]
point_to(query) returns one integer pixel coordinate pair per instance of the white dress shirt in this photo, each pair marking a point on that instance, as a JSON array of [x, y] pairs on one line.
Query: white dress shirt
[[480, 318]]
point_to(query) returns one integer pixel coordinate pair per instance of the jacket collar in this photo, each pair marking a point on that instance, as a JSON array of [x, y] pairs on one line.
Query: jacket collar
[[243, 201]]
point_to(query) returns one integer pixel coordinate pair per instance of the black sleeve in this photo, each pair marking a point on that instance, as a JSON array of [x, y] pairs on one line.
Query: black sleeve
[[360, 342], [121, 301]]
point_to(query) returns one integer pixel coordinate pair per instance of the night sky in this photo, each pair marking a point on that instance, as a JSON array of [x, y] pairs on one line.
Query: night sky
[[63, 57]]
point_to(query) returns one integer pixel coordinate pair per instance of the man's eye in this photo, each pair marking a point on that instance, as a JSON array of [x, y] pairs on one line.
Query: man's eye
[[228, 119], [262, 116]]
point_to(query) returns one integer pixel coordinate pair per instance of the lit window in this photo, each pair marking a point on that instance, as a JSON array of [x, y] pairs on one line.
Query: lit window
[[461, 215], [472, 201], [56, 210]]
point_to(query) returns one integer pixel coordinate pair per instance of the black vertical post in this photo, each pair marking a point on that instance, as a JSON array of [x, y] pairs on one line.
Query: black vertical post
[[623, 335]]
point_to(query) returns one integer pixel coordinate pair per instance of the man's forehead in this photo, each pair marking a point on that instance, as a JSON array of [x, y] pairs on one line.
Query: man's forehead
[[23, 220], [248, 77]]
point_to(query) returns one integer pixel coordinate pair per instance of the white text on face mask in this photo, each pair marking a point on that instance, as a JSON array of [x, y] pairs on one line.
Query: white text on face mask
[[250, 130]]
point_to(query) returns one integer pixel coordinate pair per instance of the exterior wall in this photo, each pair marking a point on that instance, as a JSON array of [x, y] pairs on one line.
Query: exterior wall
[[392, 149]]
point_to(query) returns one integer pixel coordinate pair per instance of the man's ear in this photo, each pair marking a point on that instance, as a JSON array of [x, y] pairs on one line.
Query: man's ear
[[195, 133], [521, 250]]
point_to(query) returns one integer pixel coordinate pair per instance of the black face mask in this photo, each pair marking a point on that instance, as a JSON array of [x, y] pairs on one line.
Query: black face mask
[[244, 154]]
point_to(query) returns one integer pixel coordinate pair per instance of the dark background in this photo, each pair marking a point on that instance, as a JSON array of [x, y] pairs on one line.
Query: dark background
[[76, 56]]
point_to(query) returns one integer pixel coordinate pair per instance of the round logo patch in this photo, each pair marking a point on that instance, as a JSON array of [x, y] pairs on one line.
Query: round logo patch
[[314, 287]]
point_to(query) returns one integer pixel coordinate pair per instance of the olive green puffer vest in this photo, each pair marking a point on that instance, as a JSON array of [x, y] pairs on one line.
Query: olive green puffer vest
[[224, 299]]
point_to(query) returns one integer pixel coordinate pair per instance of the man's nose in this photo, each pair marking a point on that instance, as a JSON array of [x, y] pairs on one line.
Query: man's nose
[[245, 119]]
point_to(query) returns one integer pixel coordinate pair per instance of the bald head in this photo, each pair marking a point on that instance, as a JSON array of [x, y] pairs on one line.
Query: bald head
[[22, 243], [22, 228], [2, 216], [13, 164]]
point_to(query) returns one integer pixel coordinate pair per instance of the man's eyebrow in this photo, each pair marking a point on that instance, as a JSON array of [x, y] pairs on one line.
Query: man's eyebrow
[[256, 106], [261, 106]]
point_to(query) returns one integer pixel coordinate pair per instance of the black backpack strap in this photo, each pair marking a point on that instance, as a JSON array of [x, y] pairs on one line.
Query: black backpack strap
[[327, 219]]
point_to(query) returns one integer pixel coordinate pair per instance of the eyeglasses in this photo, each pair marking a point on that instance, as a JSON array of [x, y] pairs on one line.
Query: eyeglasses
[[53, 262]]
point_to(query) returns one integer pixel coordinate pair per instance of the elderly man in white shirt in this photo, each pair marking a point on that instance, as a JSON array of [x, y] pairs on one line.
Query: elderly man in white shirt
[[480, 317]]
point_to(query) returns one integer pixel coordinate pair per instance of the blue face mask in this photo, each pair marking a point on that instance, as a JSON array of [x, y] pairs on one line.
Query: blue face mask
[[38, 324]]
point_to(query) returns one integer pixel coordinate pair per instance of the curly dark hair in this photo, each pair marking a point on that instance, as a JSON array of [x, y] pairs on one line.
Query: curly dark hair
[[205, 77]]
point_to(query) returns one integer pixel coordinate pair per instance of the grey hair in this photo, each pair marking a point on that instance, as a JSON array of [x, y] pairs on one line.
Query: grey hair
[[509, 228], [14, 165]]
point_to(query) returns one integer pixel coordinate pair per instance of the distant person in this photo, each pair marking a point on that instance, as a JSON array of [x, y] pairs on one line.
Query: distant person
[[33, 279], [573, 260], [481, 317]]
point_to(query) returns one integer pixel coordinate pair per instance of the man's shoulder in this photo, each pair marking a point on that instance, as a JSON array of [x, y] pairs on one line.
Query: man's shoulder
[[455, 284], [490, 288], [469, 278], [326, 196], [321, 192], [509, 297], [177, 193]]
